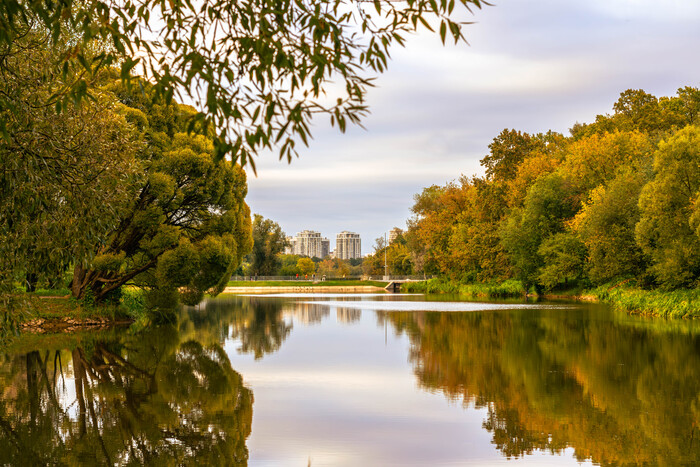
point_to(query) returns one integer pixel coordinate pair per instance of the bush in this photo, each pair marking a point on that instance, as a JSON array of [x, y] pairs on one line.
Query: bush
[[682, 303], [509, 288]]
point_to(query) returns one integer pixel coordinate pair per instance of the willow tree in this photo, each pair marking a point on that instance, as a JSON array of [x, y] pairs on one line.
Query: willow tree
[[186, 226], [63, 177], [258, 70]]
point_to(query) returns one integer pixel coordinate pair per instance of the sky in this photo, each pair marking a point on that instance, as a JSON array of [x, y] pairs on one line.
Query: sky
[[530, 65]]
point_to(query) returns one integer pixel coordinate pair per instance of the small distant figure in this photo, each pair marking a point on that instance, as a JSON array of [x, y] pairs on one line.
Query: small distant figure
[[297, 276], [323, 278], [306, 277]]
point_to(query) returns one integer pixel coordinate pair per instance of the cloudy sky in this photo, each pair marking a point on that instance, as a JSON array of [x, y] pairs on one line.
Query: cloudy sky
[[530, 65]]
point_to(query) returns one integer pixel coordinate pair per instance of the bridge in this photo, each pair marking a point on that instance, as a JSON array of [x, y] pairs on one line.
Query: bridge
[[394, 285]]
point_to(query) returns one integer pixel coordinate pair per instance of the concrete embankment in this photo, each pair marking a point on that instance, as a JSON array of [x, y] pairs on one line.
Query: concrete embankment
[[302, 289]]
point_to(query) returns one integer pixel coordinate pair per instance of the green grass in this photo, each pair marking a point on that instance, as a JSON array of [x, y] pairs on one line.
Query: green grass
[[667, 304], [54, 305], [63, 292], [330, 283], [509, 288]]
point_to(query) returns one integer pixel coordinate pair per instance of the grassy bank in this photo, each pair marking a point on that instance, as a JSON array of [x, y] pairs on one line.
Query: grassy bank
[[57, 305], [667, 304], [633, 300], [341, 283], [507, 289]]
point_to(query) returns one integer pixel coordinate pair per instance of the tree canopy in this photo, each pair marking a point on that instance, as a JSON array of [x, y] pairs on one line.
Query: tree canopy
[[258, 70], [268, 242], [617, 200]]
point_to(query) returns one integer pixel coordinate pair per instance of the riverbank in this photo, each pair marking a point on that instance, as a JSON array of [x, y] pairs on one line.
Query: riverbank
[[307, 283], [304, 289], [506, 289], [623, 296], [337, 286], [53, 311]]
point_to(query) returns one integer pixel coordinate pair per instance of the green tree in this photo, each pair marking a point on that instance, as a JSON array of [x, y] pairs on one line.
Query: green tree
[[666, 230], [185, 227], [637, 110], [334, 267], [508, 150], [595, 160], [259, 70], [606, 224], [564, 257], [306, 266], [64, 178], [549, 203], [268, 242], [288, 265]]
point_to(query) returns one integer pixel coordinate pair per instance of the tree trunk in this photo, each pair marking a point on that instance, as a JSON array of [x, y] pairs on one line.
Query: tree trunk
[[77, 286], [31, 279]]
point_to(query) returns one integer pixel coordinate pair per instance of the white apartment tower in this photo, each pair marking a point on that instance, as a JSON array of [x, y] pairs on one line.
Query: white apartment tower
[[393, 233], [347, 245], [310, 243]]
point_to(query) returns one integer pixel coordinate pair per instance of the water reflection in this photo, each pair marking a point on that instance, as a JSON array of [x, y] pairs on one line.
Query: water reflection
[[612, 388], [258, 323], [617, 391], [147, 399], [308, 313], [348, 315]]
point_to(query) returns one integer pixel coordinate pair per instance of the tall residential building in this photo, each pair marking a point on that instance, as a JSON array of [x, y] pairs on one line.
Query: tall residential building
[[310, 243], [393, 233], [289, 249], [347, 245]]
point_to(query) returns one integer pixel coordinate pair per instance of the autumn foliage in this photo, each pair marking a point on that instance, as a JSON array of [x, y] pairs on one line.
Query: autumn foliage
[[617, 199]]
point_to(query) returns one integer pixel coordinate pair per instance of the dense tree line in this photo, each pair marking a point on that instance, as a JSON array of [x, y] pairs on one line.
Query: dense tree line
[[617, 199]]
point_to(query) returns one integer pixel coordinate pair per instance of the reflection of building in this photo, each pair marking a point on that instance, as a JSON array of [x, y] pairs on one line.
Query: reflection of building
[[393, 233], [348, 315], [310, 243], [309, 313], [347, 245]]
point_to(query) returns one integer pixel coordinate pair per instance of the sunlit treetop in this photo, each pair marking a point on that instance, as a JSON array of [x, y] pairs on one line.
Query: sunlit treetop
[[258, 70]]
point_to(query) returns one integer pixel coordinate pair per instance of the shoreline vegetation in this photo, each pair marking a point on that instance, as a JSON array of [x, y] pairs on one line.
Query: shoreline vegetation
[[679, 303], [50, 311], [53, 310]]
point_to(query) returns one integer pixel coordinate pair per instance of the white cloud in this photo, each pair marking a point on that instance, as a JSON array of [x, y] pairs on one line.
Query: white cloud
[[533, 66], [668, 10]]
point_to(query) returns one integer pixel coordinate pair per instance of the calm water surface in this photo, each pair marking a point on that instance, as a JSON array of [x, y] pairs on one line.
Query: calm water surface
[[359, 380]]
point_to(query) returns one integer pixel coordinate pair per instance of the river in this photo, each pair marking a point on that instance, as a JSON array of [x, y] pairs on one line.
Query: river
[[342, 379]]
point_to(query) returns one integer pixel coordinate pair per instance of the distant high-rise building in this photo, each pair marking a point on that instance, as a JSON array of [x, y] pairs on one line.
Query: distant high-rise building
[[347, 245], [310, 243], [393, 233], [289, 249]]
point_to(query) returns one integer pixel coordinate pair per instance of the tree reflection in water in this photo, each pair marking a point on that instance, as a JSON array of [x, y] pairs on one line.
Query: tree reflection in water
[[617, 392], [257, 322], [146, 399]]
